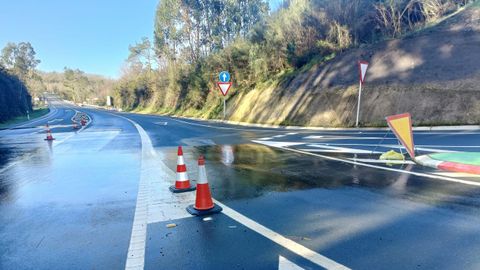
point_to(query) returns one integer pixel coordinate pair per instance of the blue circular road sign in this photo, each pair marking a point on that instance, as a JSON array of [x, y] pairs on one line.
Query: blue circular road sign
[[224, 76]]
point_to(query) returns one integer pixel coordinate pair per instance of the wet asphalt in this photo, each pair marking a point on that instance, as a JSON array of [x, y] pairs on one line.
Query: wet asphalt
[[70, 203]]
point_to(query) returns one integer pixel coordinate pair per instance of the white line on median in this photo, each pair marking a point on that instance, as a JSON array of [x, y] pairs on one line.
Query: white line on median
[[466, 182]]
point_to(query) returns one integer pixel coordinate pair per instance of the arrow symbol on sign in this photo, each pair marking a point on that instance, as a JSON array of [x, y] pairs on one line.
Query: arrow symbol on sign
[[224, 77]]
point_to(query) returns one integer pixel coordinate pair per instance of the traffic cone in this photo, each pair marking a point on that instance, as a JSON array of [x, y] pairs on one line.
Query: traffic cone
[[75, 125], [182, 184], [49, 134], [83, 122], [203, 202]]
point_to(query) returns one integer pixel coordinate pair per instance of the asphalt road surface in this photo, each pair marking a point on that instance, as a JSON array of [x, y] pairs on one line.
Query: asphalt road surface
[[98, 198]]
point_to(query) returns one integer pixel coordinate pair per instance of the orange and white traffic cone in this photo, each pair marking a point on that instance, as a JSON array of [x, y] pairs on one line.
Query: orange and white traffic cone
[[182, 184], [75, 125], [49, 134], [83, 122], [203, 202]]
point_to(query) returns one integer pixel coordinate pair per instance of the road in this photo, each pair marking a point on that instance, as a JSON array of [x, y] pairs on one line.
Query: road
[[97, 198]]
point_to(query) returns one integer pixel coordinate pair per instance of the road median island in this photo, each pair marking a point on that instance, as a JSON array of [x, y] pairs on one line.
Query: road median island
[[466, 162]]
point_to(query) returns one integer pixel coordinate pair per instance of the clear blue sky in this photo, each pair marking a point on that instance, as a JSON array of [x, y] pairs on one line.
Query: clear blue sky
[[92, 35]]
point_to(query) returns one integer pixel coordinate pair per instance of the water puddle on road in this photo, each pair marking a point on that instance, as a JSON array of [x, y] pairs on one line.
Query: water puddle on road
[[250, 170]]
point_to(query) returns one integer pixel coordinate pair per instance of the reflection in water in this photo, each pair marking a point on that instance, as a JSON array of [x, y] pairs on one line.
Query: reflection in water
[[227, 155], [400, 186], [250, 170], [19, 165]]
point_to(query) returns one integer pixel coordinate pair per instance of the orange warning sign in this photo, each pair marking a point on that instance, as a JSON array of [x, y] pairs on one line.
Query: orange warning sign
[[401, 125]]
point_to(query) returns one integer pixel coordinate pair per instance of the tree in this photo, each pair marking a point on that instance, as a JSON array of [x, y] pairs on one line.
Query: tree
[[20, 59], [140, 55]]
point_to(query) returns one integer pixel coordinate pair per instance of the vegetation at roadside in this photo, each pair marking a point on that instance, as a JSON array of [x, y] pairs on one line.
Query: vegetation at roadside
[[36, 113], [176, 71], [195, 40], [17, 66]]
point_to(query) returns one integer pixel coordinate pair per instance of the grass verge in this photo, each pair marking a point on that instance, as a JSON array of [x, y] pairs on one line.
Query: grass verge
[[39, 112]]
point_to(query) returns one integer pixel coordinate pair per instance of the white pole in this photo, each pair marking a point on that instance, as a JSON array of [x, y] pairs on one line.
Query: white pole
[[28, 115], [224, 107], [358, 105]]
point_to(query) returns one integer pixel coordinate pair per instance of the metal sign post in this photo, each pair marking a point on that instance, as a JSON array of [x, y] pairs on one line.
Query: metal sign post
[[224, 84], [28, 115], [224, 108], [362, 70]]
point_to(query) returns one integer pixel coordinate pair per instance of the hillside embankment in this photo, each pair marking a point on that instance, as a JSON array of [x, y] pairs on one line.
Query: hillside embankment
[[434, 74]]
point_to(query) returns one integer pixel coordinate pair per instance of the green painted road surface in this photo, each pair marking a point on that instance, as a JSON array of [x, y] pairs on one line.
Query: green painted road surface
[[469, 158]]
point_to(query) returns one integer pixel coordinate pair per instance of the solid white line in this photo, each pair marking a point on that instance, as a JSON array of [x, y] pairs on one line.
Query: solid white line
[[466, 182], [281, 240], [136, 249], [382, 161], [363, 151], [343, 149], [434, 150], [154, 200], [278, 144], [398, 146], [458, 174], [338, 138], [229, 128], [136, 254]]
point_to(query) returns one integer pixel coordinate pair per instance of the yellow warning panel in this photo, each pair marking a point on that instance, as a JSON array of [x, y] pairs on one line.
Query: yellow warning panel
[[401, 125]]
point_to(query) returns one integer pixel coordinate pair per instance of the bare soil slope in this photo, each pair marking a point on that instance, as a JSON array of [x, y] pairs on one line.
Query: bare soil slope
[[433, 74]]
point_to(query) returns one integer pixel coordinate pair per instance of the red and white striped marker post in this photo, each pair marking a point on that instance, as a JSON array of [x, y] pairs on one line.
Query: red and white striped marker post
[[203, 202], [49, 134], [182, 184]]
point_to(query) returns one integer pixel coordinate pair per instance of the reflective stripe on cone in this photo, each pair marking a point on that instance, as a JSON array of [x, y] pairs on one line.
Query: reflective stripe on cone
[[182, 184], [203, 201]]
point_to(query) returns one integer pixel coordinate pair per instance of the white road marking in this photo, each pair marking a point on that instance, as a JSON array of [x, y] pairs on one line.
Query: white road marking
[[313, 137], [337, 138], [458, 174], [398, 146], [56, 120], [272, 129], [265, 138], [281, 240], [343, 149], [433, 150], [443, 178], [382, 161], [155, 203], [346, 151], [284, 264], [278, 144], [136, 251], [161, 123], [363, 151]]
